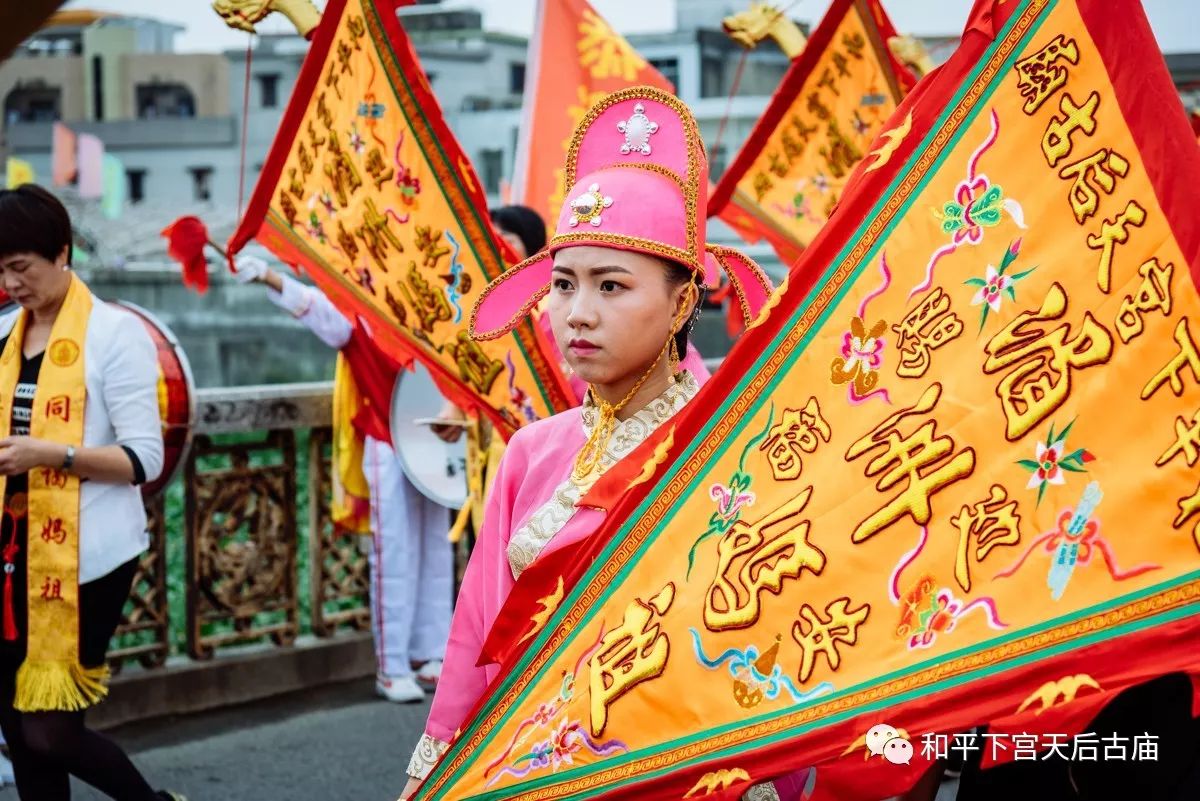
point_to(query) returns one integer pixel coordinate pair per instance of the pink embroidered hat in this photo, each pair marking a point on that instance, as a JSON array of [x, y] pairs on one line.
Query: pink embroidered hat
[[638, 179]]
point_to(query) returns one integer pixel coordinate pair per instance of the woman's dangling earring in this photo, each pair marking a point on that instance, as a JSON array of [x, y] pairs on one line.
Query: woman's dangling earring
[[673, 360]]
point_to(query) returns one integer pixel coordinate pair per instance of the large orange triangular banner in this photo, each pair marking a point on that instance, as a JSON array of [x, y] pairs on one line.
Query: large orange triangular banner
[[576, 58], [949, 477], [821, 121], [367, 190]]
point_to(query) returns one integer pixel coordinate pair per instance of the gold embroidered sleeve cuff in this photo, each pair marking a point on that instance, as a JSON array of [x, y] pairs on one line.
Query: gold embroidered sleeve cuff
[[428, 751]]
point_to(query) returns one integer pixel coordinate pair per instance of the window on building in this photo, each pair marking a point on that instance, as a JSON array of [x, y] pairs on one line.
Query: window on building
[[137, 185], [491, 164], [268, 90], [33, 102], [431, 77], [712, 76], [516, 77], [201, 182], [164, 100], [669, 67], [97, 87]]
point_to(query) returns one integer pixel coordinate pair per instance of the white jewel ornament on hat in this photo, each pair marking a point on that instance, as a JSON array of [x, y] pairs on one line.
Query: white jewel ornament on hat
[[587, 207], [637, 130]]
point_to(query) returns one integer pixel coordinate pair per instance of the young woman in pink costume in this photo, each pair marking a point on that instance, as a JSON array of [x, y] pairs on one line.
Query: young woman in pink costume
[[624, 272]]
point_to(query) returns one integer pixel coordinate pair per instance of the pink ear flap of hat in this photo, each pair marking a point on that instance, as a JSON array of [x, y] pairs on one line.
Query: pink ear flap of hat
[[750, 284], [509, 299]]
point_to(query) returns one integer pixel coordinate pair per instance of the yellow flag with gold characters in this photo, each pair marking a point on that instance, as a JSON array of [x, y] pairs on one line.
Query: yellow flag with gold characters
[[821, 121], [950, 477], [367, 190]]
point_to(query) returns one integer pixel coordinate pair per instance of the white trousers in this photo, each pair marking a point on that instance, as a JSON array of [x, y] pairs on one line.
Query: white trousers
[[412, 566]]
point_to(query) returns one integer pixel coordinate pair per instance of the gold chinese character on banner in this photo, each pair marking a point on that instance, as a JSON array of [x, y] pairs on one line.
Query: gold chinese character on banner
[[753, 557], [1042, 361], [474, 365], [376, 234], [428, 301], [1040, 75], [1153, 293], [1101, 169], [1172, 371], [840, 626], [798, 431], [377, 168], [1188, 507], [922, 461], [429, 243], [930, 325], [341, 172], [1187, 442], [633, 652], [1112, 233], [987, 524], [1056, 142]]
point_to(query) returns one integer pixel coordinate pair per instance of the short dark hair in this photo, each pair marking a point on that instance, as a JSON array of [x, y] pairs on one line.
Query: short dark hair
[[33, 221], [524, 223]]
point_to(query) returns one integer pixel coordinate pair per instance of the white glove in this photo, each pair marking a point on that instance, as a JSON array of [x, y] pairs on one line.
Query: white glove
[[249, 269]]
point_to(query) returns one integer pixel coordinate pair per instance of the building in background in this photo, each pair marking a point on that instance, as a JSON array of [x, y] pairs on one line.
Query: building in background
[[166, 115]]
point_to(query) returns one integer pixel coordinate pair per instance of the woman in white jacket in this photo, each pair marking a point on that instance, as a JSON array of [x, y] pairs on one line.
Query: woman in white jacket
[[79, 430]]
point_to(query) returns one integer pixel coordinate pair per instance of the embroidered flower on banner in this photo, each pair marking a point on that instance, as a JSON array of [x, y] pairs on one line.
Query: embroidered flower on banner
[[862, 356], [996, 283], [977, 204], [1052, 462]]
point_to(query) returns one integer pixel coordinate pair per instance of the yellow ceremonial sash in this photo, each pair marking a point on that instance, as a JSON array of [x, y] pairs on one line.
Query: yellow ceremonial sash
[[52, 677], [484, 449], [350, 502]]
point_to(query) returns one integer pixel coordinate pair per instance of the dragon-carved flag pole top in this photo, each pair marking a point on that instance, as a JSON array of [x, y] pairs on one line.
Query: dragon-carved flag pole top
[[243, 15]]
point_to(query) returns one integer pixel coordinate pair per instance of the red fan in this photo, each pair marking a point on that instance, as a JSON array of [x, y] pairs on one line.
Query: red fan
[[186, 238]]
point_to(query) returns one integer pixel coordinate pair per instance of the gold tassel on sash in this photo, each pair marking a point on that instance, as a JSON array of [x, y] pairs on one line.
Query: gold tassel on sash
[[350, 506], [52, 678]]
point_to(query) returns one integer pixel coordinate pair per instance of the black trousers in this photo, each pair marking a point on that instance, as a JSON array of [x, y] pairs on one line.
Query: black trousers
[[47, 748]]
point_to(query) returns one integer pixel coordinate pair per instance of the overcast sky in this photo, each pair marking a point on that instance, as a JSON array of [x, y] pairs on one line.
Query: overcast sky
[[1176, 23]]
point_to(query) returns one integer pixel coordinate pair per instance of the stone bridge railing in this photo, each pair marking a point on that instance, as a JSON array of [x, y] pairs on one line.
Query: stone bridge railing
[[227, 535]]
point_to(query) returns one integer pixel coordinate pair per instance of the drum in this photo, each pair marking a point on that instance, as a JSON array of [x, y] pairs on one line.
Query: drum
[[176, 397], [435, 467]]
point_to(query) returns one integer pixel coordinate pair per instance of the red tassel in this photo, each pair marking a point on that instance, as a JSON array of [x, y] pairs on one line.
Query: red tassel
[[10, 623], [186, 238]]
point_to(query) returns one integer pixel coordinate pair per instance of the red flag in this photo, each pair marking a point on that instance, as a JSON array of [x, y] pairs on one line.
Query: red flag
[[186, 238], [575, 59]]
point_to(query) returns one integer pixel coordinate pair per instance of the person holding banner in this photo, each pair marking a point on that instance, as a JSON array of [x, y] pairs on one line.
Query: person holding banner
[[623, 275], [79, 431], [411, 563]]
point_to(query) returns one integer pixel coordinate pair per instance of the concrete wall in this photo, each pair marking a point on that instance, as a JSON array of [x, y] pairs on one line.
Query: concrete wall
[[205, 74], [108, 43]]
